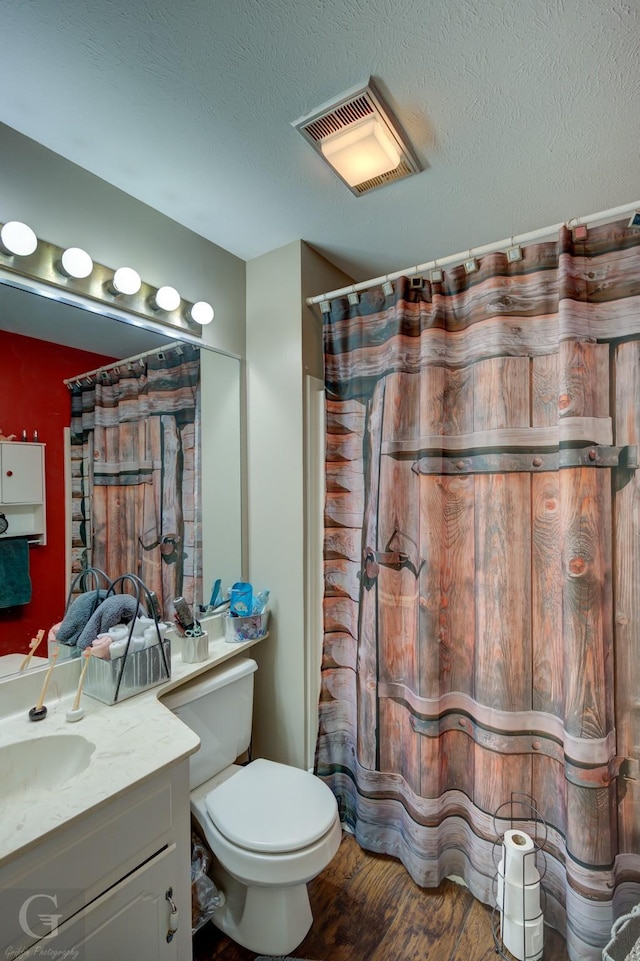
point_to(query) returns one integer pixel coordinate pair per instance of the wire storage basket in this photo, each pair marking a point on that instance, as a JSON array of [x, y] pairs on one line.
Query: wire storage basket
[[517, 918], [625, 938], [135, 670]]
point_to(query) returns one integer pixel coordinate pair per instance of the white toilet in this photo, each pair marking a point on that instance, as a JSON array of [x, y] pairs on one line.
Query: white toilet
[[271, 827]]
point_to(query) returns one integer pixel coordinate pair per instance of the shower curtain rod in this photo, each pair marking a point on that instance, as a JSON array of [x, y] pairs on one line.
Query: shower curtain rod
[[543, 233], [122, 363]]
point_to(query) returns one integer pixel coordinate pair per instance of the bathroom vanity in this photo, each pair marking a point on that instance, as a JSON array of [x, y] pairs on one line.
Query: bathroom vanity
[[95, 837]]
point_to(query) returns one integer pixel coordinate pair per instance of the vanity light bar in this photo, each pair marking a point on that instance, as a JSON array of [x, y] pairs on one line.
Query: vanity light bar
[[72, 269]]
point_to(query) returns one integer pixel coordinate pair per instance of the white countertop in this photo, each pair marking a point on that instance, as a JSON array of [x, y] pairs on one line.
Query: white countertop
[[133, 740]]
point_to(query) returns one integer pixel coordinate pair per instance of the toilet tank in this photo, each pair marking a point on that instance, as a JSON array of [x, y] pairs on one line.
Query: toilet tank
[[218, 706]]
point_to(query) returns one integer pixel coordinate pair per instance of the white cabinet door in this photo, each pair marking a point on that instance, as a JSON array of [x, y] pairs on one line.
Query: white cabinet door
[[130, 921], [22, 473]]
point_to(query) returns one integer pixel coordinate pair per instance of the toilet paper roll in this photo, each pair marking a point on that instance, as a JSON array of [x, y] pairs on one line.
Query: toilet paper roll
[[519, 858], [524, 941], [517, 900]]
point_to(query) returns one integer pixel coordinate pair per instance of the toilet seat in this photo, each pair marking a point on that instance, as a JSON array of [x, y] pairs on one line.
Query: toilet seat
[[272, 808]]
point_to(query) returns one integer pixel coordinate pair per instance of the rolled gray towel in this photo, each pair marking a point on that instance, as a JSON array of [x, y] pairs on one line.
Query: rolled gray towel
[[77, 617], [116, 609]]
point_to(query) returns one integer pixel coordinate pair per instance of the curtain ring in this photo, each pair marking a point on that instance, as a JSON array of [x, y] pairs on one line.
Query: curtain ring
[[436, 274], [470, 264]]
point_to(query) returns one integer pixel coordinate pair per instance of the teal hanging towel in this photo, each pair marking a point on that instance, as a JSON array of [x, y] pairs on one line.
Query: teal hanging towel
[[15, 583]]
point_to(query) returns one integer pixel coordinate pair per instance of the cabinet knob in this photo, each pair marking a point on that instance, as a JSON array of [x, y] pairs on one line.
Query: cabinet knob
[[9, 473]]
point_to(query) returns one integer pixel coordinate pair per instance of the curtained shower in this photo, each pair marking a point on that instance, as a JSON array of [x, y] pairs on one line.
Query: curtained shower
[[135, 455], [482, 570]]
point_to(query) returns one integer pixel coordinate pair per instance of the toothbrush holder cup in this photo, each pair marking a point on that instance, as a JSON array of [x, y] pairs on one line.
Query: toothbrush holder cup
[[195, 649]]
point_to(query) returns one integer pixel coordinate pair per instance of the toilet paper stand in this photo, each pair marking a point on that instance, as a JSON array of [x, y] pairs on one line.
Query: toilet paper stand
[[517, 920]]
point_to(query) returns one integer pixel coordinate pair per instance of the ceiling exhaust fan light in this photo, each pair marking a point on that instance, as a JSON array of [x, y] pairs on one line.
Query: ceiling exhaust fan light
[[126, 281], [76, 263], [361, 152], [202, 313], [357, 134], [167, 298], [17, 238]]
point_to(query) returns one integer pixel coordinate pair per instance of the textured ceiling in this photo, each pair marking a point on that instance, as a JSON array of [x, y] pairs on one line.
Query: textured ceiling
[[522, 113]]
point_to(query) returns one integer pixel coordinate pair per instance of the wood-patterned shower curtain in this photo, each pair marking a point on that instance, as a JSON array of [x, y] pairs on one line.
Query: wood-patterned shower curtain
[[482, 570], [135, 440]]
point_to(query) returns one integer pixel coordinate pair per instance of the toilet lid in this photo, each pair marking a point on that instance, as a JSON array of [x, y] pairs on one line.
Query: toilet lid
[[272, 807]]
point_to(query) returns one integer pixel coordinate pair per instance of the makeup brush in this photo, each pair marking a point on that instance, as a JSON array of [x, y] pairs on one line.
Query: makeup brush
[[76, 712], [39, 712], [33, 644]]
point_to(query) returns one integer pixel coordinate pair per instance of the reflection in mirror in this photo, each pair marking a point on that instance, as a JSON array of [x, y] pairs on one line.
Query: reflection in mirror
[[44, 341]]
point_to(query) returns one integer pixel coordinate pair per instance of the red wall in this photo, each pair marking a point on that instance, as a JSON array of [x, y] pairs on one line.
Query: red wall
[[34, 397]]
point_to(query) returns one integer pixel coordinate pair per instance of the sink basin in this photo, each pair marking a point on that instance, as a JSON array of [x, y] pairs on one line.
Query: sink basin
[[32, 768]]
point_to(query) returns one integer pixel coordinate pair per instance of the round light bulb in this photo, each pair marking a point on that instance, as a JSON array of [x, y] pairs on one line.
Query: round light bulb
[[202, 313], [167, 298], [18, 239], [126, 281], [76, 263]]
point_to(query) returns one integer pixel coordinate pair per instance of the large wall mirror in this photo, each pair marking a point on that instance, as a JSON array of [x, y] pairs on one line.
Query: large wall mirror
[[31, 309]]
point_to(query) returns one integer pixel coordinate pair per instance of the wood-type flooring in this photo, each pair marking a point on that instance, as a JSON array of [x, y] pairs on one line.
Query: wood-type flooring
[[367, 908]]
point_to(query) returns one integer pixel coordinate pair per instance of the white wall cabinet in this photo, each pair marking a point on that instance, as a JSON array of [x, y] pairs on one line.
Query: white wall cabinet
[[22, 490]]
